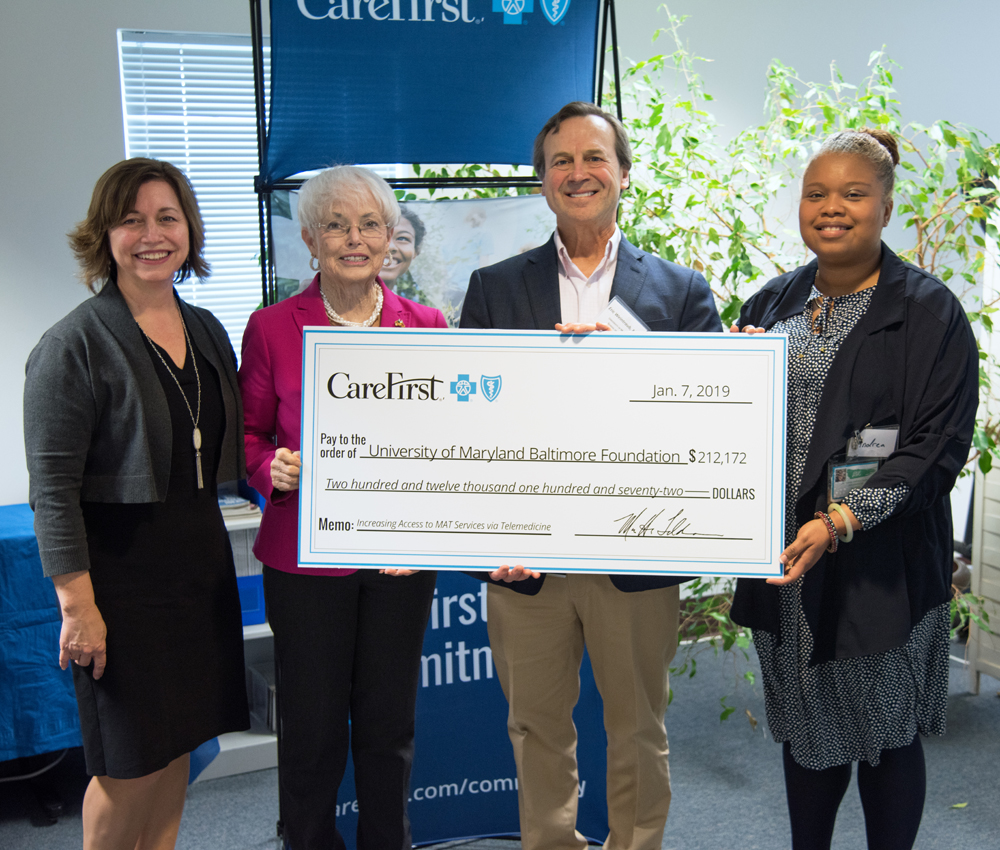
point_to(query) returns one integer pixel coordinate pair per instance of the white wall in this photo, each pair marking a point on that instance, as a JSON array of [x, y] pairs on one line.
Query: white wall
[[61, 129], [62, 119], [949, 67]]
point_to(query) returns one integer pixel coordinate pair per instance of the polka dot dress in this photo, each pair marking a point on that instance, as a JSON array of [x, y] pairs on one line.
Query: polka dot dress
[[849, 709]]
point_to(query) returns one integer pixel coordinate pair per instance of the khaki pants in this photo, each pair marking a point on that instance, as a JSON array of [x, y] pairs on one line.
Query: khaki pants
[[537, 644]]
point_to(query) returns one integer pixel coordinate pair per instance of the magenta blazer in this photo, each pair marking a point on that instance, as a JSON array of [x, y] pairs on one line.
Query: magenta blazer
[[271, 384]]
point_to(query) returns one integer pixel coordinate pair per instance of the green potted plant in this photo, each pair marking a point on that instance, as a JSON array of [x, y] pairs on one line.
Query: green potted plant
[[714, 204]]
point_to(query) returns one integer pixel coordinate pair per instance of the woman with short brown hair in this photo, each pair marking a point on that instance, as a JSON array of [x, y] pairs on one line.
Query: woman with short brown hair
[[132, 415]]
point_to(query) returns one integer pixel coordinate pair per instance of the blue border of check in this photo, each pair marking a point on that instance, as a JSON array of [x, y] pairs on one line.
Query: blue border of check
[[418, 337]]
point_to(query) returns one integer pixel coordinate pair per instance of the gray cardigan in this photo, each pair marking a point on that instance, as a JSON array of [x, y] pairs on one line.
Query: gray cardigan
[[96, 422]]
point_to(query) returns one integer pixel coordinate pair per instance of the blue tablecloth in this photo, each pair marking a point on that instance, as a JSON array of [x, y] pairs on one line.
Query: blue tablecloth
[[37, 703]]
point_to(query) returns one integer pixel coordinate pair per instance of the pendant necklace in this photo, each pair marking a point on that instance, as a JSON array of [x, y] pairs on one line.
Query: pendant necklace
[[336, 319], [195, 416]]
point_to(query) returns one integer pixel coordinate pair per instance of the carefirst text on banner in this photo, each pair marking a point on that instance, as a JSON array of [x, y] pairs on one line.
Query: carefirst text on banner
[[456, 661], [445, 11]]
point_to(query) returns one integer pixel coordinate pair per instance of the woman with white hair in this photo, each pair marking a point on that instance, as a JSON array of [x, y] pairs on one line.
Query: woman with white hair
[[347, 643]]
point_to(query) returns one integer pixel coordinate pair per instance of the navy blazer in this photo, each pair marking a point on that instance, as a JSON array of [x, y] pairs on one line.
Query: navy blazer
[[910, 361], [522, 293]]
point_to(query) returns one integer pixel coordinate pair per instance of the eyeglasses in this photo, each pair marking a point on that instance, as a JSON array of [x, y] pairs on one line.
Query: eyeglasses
[[369, 229]]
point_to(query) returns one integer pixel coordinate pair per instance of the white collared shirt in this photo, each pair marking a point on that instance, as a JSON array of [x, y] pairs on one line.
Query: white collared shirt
[[581, 298]]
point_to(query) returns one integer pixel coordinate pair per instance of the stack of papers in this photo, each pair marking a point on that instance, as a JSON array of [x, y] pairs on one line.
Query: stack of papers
[[236, 506]]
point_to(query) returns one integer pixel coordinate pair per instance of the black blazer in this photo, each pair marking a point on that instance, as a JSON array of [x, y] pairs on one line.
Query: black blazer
[[522, 293], [910, 361]]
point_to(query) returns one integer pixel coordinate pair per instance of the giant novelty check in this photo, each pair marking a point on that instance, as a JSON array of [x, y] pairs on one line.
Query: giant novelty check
[[610, 453]]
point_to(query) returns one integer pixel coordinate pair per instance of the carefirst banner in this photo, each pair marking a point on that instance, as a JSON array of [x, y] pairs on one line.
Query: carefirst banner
[[373, 81], [464, 783]]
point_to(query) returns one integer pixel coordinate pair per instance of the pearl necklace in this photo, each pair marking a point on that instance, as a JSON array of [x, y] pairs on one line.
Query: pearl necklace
[[336, 319], [195, 417]]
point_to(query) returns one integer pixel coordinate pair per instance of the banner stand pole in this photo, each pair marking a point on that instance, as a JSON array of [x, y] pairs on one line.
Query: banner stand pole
[[609, 13], [264, 221], [601, 50], [614, 56], [263, 194]]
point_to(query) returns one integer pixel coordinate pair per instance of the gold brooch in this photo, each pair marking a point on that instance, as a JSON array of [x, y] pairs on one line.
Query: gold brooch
[[399, 323]]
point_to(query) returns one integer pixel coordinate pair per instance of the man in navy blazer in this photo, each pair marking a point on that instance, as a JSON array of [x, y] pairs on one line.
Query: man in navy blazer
[[627, 623]]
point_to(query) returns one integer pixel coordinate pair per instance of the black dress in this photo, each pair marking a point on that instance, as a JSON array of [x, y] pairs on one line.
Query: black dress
[[164, 582]]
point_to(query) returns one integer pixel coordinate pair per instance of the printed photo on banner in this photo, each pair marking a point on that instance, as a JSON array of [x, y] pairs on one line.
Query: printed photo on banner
[[435, 246]]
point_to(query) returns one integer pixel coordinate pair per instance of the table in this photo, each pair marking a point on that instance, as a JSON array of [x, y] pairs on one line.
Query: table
[[37, 702]]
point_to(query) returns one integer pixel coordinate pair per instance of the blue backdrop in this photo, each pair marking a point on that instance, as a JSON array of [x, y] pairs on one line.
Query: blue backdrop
[[463, 781], [436, 81]]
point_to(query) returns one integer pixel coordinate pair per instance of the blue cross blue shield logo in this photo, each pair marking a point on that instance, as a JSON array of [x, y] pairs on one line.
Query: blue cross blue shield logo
[[463, 387], [490, 385], [554, 10], [514, 9]]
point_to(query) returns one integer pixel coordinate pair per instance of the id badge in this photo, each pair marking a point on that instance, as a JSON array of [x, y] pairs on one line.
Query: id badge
[[619, 317], [874, 442], [845, 474]]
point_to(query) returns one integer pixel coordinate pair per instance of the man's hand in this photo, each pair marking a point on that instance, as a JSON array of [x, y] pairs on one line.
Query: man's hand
[[580, 328], [510, 574]]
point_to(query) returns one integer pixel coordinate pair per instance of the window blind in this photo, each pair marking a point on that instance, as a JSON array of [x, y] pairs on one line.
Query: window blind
[[189, 99]]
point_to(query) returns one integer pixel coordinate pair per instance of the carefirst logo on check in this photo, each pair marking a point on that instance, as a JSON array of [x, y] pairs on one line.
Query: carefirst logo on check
[[395, 387], [398, 387]]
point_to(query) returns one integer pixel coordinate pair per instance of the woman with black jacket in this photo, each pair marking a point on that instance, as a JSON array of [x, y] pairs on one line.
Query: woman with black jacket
[[882, 398]]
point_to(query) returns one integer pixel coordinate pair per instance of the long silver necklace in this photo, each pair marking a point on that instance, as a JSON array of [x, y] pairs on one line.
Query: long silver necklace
[[195, 417], [336, 319]]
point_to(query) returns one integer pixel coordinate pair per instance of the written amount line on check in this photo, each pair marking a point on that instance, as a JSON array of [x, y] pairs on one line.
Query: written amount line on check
[[512, 488]]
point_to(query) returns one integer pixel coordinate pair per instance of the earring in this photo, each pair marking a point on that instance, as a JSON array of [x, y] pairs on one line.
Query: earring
[[312, 261]]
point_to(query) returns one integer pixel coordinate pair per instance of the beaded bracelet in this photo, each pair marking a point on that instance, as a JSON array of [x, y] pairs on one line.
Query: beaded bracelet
[[848, 535], [831, 529]]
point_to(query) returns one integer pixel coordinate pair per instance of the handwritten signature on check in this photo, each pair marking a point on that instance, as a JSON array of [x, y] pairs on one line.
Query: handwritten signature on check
[[676, 526]]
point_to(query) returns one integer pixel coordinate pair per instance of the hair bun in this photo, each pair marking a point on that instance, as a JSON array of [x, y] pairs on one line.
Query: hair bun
[[886, 139]]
